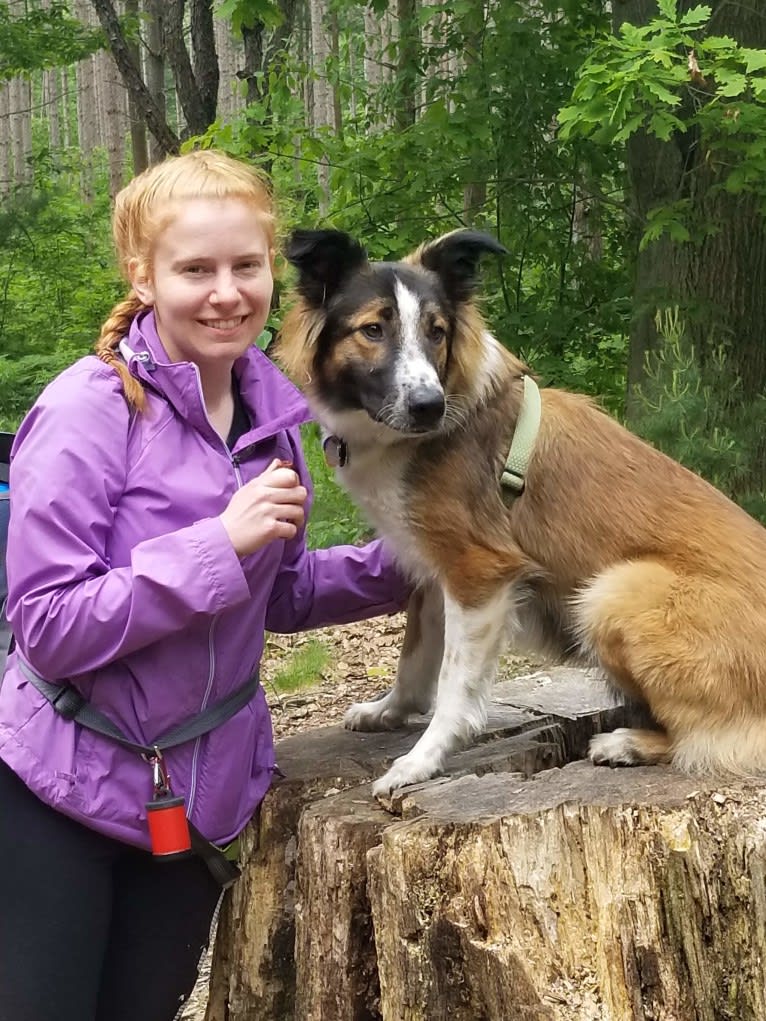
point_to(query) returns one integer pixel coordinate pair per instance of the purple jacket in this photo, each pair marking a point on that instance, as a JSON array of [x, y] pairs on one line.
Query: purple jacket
[[123, 581]]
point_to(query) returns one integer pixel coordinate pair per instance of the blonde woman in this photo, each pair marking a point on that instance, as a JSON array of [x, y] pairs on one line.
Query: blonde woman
[[159, 496]]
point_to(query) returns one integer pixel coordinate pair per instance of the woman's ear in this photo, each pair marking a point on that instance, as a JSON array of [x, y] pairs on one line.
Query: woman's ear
[[141, 281]]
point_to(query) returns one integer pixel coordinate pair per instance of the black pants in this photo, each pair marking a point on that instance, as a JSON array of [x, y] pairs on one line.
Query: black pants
[[92, 929]]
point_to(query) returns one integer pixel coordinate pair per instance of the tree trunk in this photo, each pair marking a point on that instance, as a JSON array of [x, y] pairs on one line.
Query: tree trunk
[[584, 894], [322, 108], [50, 100], [277, 940], [205, 58], [154, 68], [407, 62], [137, 129], [231, 60], [131, 75], [719, 283], [6, 165], [192, 94], [112, 117], [499, 892], [21, 129]]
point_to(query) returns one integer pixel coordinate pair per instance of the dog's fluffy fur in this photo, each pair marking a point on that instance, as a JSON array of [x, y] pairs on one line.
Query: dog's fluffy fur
[[613, 553]]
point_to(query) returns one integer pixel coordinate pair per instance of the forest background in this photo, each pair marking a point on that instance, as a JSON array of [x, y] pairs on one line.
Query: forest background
[[617, 150]]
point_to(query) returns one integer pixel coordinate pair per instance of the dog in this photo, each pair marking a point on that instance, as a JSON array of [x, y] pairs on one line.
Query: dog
[[608, 552]]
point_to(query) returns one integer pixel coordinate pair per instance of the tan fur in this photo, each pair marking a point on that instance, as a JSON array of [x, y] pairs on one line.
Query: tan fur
[[613, 550]]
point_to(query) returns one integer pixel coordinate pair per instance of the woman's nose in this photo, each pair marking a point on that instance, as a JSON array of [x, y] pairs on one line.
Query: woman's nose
[[225, 289]]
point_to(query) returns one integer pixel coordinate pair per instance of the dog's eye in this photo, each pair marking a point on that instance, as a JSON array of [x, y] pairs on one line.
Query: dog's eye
[[437, 334], [372, 331]]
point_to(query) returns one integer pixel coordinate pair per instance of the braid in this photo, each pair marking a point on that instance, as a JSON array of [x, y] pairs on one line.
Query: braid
[[112, 332]]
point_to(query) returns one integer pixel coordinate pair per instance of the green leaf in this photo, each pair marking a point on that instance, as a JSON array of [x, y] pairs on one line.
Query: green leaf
[[730, 83], [658, 89], [668, 9], [631, 125], [755, 60], [696, 17], [663, 125]]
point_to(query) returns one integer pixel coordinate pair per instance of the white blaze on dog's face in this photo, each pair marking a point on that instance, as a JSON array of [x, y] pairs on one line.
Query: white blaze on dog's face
[[383, 335], [418, 394]]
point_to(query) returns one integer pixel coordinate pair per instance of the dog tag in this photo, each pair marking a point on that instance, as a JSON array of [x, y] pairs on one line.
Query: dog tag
[[335, 451]]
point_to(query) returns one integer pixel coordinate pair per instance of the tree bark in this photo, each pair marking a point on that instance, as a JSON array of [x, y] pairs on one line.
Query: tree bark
[[322, 108], [584, 894], [21, 129], [407, 62], [154, 69], [720, 282], [131, 75], [6, 165], [230, 59], [294, 936], [205, 58], [498, 892], [193, 99]]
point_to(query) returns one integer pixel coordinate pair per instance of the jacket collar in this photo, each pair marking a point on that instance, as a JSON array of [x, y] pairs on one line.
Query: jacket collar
[[272, 401]]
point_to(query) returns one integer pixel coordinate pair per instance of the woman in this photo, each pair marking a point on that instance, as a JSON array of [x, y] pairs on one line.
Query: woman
[[157, 528]]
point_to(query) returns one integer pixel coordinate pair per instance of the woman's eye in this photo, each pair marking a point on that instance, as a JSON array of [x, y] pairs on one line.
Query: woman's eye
[[372, 331], [194, 270]]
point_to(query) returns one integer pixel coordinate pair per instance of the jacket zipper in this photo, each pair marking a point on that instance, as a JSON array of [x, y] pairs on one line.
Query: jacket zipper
[[234, 461]]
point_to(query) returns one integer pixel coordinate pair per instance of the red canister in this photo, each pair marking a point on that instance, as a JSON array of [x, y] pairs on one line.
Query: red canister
[[168, 828]]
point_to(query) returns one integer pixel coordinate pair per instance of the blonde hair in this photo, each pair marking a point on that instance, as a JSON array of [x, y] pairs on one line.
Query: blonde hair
[[145, 207]]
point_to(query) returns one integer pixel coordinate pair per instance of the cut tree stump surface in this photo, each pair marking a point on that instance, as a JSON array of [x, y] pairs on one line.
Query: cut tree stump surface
[[516, 886]]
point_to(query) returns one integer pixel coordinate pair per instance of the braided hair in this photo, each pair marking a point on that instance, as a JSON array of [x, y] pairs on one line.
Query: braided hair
[[145, 207]]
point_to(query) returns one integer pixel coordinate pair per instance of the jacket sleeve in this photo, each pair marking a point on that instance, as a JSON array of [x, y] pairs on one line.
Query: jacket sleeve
[[70, 610], [333, 586]]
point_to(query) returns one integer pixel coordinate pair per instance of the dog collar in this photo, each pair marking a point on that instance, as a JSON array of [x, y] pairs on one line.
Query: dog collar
[[524, 437], [335, 451]]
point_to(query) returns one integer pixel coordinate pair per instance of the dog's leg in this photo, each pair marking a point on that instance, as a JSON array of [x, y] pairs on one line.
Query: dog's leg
[[684, 644], [472, 644], [418, 668]]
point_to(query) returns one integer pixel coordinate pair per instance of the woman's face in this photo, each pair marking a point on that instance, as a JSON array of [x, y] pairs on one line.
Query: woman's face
[[211, 281]]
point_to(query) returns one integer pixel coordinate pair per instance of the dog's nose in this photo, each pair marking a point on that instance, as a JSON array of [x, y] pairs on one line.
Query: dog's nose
[[425, 406]]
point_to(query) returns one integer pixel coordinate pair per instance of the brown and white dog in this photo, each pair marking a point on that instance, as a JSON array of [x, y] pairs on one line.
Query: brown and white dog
[[613, 553]]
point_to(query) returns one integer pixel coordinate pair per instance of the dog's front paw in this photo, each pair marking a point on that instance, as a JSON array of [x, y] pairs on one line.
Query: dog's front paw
[[614, 749], [380, 714], [405, 771]]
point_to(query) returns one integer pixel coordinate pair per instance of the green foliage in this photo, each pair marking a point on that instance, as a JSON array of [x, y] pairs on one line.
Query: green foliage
[[672, 79], [41, 38], [480, 152], [696, 415], [334, 518], [304, 668], [57, 281], [247, 12]]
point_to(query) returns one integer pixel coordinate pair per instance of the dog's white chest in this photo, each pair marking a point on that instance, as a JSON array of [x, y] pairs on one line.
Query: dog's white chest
[[375, 484]]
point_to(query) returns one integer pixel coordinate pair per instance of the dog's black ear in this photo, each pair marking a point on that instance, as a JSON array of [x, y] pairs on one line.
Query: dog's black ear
[[323, 258], [455, 259]]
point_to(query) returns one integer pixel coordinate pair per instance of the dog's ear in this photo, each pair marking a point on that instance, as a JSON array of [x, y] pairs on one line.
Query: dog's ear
[[455, 259], [323, 258]]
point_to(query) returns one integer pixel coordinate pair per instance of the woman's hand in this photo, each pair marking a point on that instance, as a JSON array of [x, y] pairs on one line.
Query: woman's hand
[[266, 508]]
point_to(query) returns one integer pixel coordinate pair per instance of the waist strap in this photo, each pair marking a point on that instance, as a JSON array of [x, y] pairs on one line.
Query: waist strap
[[70, 704]]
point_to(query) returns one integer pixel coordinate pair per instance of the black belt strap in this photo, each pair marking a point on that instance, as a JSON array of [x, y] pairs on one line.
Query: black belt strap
[[70, 704]]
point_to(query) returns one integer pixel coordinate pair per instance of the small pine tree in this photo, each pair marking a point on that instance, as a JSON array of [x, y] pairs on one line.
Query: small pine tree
[[697, 415]]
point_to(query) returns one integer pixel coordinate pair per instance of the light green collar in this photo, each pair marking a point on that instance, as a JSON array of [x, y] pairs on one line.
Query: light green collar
[[524, 438]]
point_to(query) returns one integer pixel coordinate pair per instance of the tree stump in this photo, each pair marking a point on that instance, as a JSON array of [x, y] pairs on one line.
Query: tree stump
[[506, 890]]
